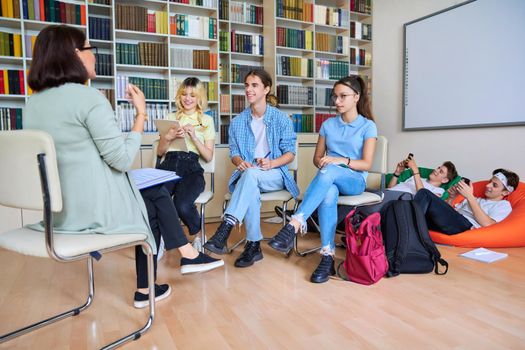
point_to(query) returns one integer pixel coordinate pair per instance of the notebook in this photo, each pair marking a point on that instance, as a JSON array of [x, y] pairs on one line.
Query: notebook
[[163, 126], [147, 177], [484, 255]]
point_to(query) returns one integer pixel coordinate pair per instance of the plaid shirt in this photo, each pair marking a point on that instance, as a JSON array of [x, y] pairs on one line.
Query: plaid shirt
[[281, 138]]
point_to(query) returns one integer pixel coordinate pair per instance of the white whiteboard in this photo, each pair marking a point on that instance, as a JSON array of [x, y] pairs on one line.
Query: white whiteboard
[[465, 67]]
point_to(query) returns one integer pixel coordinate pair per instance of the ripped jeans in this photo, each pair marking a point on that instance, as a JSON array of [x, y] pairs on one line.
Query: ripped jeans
[[323, 193]]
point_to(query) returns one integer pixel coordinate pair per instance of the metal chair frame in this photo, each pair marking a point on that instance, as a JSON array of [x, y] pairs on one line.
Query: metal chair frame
[[50, 247]]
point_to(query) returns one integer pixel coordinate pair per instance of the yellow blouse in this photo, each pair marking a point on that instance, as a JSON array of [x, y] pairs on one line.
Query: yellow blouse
[[204, 132]]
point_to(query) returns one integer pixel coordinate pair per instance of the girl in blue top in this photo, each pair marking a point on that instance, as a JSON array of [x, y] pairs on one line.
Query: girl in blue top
[[343, 154]]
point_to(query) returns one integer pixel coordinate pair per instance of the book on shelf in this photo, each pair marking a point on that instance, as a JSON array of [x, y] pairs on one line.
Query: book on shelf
[[331, 16], [320, 118], [224, 133], [302, 122], [12, 82], [243, 12], [153, 89], [247, 43], [294, 66], [323, 96], [203, 3], [360, 30], [330, 69], [10, 44], [183, 57], [297, 10], [10, 118], [148, 177], [54, 11], [362, 6], [295, 38], [141, 19], [10, 8], [29, 42], [99, 28], [104, 64], [193, 26], [126, 112], [225, 103], [484, 255], [239, 71], [295, 95]]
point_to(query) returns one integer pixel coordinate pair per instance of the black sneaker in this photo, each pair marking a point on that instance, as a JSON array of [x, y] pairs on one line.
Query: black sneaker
[[201, 263], [217, 243], [325, 269], [310, 223], [251, 253], [283, 240], [162, 291]]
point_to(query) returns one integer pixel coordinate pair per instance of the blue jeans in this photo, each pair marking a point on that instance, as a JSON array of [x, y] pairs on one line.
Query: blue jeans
[[323, 192], [246, 198]]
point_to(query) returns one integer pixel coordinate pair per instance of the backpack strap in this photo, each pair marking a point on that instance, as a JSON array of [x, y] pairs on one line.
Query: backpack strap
[[430, 246], [402, 240], [442, 262], [338, 270]]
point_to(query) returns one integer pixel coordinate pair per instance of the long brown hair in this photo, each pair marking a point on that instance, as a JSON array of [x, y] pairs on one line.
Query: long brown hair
[[55, 61], [358, 85], [266, 79]]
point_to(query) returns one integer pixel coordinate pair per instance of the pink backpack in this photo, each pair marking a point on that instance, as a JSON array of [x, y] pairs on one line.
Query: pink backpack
[[365, 261]]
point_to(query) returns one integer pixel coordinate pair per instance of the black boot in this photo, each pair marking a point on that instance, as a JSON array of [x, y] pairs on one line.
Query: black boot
[[283, 240], [325, 269], [217, 243], [252, 253]]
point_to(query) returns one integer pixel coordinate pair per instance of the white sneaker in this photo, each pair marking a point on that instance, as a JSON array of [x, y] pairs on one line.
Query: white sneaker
[[197, 244]]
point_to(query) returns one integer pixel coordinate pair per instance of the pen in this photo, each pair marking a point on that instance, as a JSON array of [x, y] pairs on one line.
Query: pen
[[266, 156]]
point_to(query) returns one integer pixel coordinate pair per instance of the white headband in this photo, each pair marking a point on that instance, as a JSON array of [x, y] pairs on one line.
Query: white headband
[[503, 180]]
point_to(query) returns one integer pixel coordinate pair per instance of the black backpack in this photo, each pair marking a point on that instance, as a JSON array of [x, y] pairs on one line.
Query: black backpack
[[408, 246]]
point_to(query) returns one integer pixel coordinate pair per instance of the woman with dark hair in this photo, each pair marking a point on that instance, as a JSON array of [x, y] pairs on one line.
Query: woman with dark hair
[[198, 132], [343, 154], [262, 143], [92, 154]]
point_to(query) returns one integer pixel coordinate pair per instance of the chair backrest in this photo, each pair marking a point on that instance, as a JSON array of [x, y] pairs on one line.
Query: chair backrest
[[22, 153], [376, 176]]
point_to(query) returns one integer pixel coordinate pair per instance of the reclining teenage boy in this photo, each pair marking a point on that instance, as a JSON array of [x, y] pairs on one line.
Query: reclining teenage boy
[[472, 212]]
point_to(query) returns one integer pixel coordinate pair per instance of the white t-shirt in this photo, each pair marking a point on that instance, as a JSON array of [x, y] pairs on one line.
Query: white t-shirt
[[409, 186], [497, 210], [262, 148]]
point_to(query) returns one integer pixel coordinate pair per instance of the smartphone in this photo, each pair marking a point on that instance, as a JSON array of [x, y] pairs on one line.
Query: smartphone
[[466, 180], [409, 157]]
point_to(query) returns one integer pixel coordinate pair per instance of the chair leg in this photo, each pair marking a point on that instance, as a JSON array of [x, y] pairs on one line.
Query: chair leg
[[72, 312], [295, 243], [151, 286], [203, 226]]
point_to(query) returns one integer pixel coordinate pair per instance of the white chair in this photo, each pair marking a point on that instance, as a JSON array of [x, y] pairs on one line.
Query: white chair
[[374, 181], [29, 180], [282, 195], [206, 196]]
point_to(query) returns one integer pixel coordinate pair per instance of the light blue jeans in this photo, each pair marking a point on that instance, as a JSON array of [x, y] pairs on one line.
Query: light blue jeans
[[323, 193], [246, 198]]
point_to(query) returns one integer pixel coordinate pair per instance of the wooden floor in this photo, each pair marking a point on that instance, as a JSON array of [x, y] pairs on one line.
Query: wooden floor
[[271, 305]]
